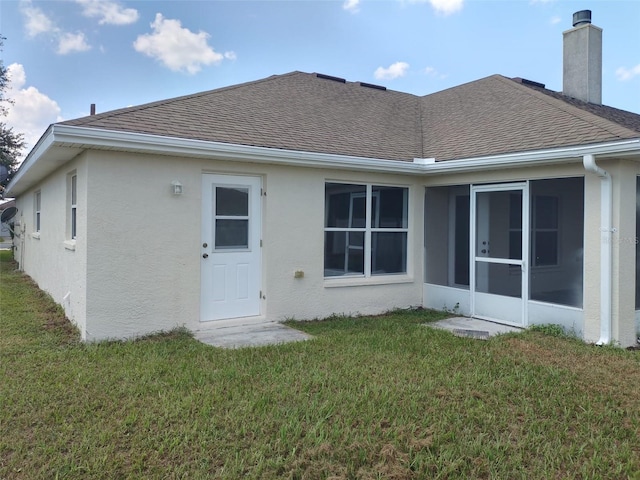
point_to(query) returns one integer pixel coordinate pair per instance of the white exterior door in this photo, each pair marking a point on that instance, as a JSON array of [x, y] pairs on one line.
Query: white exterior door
[[499, 252], [231, 257]]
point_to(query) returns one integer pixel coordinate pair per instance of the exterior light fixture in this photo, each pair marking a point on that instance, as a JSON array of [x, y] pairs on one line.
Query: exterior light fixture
[[177, 187]]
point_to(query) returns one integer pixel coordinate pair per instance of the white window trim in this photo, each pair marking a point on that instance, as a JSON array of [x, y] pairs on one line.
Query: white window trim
[[73, 227], [368, 278], [37, 211], [246, 217]]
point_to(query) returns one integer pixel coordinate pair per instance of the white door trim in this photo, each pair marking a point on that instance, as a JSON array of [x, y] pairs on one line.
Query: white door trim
[[481, 302], [230, 277]]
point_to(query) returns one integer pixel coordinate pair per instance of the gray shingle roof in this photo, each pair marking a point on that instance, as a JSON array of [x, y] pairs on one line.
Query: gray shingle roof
[[305, 112], [295, 111], [497, 115]]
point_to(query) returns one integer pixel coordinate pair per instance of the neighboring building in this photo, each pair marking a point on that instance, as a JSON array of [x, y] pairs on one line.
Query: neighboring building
[[5, 227], [302, 195]]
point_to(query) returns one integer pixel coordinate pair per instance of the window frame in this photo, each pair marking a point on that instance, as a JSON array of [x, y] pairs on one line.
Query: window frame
[[73, 206], [535, 230], [368, 230]]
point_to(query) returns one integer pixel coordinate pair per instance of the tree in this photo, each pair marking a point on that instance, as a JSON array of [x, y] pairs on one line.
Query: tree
[[11, 143]]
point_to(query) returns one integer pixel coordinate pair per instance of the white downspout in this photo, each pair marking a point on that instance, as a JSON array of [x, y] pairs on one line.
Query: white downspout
[[606, 232]]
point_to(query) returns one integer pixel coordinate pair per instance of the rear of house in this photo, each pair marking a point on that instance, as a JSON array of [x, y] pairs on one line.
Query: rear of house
[[303, 195]]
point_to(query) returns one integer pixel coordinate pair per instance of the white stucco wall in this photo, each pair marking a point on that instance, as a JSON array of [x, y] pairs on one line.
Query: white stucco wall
[[144, 250], [623, 174], [592, 235], [623, 326], [295, 241], [50, 258], [135, 265]]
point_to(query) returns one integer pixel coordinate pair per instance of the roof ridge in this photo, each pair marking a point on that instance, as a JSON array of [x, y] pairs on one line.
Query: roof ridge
[[168, 101], [456, 87], [592, 118]]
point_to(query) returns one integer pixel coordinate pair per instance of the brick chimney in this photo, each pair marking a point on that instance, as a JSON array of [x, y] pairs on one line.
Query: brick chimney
[[582, 59]]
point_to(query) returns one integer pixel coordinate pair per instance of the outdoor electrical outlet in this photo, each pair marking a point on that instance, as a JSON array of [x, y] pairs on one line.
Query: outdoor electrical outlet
[[298, 274]]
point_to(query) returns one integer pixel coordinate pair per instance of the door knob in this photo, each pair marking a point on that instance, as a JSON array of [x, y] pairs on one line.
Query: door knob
[[205, 255]]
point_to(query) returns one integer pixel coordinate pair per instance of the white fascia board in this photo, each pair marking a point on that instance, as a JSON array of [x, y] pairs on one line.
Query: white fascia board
[[88, 137], [534, 158], [62, 137], [44, 143], [140, 142]]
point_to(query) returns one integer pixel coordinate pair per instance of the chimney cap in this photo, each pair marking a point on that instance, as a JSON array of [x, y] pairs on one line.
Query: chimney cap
[[583, 17]]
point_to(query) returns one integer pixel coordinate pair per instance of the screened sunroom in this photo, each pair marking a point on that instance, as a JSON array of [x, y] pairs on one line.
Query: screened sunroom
[[509, 252]]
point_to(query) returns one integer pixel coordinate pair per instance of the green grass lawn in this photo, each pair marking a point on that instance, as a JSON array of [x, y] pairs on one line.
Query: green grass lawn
[[368, 398]]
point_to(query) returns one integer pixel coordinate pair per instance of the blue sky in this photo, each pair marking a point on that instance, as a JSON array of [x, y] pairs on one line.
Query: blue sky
[[65, 55]]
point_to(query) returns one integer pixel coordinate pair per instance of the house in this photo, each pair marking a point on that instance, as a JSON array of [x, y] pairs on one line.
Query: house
[[5, 227], [302, 195]]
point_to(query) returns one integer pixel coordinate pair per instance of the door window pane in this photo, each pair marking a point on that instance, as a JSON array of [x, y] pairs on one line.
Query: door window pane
[[231, 233], [499, 224], [233, 202], [499, 279], [515, 210]]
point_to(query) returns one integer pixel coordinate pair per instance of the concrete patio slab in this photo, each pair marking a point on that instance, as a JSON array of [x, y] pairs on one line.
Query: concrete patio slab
[[473, 327], [251, 335]]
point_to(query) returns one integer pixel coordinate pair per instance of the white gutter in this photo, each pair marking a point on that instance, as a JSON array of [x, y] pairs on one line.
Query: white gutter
[[531, 158], [606, 240], [92, 137], [58, 138]]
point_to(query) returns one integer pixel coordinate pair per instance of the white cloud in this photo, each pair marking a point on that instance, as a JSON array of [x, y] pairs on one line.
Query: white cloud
[[177, 48], [625, 74], [395, 70], [445, 7], [109, 12], [32, 111], [72, 42], [555, 20], [352, 6], [36, 21], [230, 55], [433, 72]]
